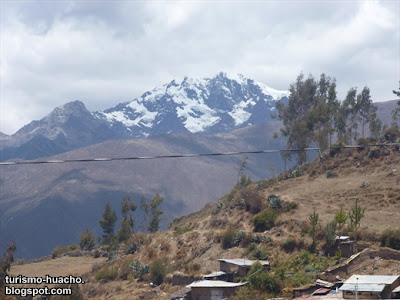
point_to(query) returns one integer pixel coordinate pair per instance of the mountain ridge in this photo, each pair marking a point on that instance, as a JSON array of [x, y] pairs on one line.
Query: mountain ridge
[[202, 106]]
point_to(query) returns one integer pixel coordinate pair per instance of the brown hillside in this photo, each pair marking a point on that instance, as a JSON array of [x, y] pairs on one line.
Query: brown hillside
[[193, 243]]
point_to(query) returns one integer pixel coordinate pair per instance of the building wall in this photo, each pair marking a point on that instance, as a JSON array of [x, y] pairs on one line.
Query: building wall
[[361, 295], [212, 293]]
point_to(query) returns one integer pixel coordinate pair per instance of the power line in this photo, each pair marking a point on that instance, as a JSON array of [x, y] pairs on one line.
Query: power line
[[189, 155]]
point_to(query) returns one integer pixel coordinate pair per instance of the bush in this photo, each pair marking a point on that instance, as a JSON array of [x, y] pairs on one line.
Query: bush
[[96, 253], [158, 270], [243, 182], [391, 134], [247, 239], [245, 293], [259, 254], [257, 239], [274, 201], [364, 142], [296, 173], [265, 220], [289, 245], [231, 238], [139, 269], [132, 248], [59, 250], [87, 240], [107, 273], [288, 206], [391, 238], [253, 200], [335, 149], [329, 174], [262, 280]]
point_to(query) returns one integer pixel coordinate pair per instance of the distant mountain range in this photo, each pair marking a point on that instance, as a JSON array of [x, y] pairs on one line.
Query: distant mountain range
[[202, 106]]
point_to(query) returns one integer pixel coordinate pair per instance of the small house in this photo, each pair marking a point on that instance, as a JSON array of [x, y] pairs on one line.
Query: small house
[[345, 244], [370, 286], [213, 289], [239, 267]]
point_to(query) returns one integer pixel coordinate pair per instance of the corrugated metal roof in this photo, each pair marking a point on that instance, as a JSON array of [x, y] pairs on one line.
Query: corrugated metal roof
[[324, 283], [215, 283], [342, 237], [362, 287], [214, 274], [379, 279], [368, 283], [321, 291], [244, 262]]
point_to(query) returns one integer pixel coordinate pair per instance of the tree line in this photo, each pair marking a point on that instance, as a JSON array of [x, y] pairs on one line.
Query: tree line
[[128, 226], [314, 114]]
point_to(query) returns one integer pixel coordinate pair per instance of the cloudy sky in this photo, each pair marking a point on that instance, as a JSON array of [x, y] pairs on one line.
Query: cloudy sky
[[108, 52]]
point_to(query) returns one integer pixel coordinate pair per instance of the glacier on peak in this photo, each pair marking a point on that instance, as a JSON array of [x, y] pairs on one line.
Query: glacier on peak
[[197, 105]]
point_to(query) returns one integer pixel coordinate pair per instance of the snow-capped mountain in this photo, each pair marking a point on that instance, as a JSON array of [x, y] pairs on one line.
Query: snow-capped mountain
[[207, 105], [201, 106]]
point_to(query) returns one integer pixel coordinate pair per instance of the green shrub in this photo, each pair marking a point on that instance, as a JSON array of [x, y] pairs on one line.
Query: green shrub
[[245, 293], [87, 240], [132, 248], [179, 231], [106, 273], [290, 206], [296, 173], [259, 254], [139, 269], [391, 238], [231, 238], [329, 174], [218, 209], [257, 239], [239, 237], [391, 134], [59, 250], [274, 201], [243, 182], [158, 270], [373, 153], [263, 280], [301, 278], [265, 220]]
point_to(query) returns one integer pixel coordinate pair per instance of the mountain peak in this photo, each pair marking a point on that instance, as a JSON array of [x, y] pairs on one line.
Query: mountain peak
[[72, 107], [198, 105]]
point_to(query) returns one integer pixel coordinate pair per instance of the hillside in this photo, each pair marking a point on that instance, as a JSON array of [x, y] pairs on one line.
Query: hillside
[[63, 199], [194, 242]]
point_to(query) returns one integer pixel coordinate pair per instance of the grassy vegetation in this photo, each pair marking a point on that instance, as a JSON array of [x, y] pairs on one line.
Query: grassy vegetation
[[391, 238], [59, 250], [265, 220]]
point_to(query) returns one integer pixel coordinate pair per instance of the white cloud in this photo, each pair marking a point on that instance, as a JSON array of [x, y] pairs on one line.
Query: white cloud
[[108, 52]]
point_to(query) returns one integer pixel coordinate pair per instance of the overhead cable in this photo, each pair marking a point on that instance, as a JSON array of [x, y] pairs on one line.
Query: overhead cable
[[188, 155]]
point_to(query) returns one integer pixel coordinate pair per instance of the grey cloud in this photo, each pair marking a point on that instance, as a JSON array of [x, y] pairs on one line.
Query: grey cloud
[[108, 52]]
